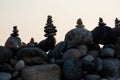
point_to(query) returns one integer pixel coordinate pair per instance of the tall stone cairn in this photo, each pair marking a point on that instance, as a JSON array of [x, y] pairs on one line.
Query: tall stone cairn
[[50, 29]]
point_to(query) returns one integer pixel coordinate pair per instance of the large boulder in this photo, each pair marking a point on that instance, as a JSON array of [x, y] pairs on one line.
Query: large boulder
[[32, 55], [41, 72]]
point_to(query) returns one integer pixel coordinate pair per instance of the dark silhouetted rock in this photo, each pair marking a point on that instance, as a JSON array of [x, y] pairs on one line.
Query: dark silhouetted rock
[[78, 36], [72, 69], [14, 42], [58, 50], [32, 55], [103, 34], [5, 54], [47, 44]]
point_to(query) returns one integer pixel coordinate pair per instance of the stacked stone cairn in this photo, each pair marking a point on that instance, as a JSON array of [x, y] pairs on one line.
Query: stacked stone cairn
[[79, 57]]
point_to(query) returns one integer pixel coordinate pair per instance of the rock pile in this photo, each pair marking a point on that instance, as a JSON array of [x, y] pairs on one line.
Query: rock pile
[[78, 57]]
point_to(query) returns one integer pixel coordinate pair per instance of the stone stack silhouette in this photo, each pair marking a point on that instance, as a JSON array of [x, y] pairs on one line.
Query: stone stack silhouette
[[78, 57]]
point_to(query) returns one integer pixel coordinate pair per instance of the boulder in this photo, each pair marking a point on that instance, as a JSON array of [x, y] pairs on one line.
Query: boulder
[[41, 72]]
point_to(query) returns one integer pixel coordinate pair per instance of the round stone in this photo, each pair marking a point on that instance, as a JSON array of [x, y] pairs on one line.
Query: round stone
[[71, 53], [20, 65], [5, 76], [107, 52]]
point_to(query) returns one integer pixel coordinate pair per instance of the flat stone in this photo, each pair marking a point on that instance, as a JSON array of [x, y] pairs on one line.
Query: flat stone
[[41, 72]]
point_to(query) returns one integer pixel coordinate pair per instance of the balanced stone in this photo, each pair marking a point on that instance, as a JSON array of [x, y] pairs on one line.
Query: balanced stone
[[41, 72]]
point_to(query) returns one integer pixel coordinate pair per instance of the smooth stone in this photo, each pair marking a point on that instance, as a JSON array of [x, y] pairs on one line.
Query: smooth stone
[[5, 54], [87, 63], [92, 77], [32, 55], [72, 69], [20, 65], [79, 36], [47, 44], [5, 76], [58, 50], [107, 52], [41, 72], [13, 43], [83, 49], [111, 67], [71, 53]]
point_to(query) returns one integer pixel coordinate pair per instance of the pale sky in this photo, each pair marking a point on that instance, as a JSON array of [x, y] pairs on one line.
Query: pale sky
[[30, 16]]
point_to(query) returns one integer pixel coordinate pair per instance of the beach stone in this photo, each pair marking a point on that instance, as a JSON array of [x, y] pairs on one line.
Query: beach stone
[[107, 52], [32, 55], [13, 62], [83, 49], [111, 67], [18, 79], [79, 36], [92, 77], [15, 74], [71, 53], [6, 68], [47, 44], [72, 69], [58, 50], [41, 72], [5, 54], [20, 65], [5, 76]]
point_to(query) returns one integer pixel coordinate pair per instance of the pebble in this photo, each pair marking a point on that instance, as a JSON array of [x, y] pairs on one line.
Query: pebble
[[20, 65], [5, 76]]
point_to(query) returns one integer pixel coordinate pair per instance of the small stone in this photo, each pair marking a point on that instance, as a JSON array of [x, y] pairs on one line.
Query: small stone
[[20, 65], [71, 53], [92, 77], [107, 52], [13, 62], [18, 79], [5, 76]]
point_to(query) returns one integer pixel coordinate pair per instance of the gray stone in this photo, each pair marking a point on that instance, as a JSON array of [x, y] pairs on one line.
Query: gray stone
[[5, 76], [41, 72], [71, 53], [79, 36], [20, 65], [107, 52]]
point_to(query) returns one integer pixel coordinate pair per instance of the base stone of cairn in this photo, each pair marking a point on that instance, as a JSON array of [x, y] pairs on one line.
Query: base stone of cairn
[[41, 72]]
